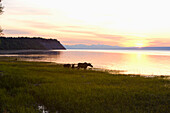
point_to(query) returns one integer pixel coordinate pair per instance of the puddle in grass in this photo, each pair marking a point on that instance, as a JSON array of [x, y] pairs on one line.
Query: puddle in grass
[[43, 109]]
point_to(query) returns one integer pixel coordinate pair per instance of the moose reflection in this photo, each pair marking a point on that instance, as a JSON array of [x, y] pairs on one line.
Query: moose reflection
[[79, 65]]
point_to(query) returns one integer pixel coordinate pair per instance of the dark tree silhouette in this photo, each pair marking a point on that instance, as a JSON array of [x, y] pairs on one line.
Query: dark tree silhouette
[[1, 11]]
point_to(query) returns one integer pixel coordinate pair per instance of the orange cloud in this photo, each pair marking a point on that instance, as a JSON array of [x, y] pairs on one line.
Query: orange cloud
[[160, 42]]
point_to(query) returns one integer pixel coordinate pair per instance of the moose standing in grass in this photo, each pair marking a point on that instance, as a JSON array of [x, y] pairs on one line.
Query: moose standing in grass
[[79, 65], [84, 65]]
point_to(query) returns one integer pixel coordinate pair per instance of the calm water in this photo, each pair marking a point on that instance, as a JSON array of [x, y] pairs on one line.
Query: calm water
[[130, 61]]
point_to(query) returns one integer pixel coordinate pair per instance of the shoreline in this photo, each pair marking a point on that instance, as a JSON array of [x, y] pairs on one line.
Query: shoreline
[[120, 72], [131, 62], [27, 87]]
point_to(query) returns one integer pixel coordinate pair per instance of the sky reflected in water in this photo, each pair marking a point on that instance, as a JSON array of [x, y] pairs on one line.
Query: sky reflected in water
[[132, 62]]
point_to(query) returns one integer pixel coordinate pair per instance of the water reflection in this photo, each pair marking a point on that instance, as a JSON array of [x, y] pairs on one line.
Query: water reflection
[[27, 52], [44, 57], [134, 62]]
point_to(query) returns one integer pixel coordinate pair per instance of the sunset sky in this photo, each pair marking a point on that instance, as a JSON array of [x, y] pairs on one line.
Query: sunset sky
[[127, 23]]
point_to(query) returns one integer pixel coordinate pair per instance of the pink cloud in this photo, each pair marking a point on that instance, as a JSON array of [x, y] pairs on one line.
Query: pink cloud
[[73, 42], [106, 36], [160, 42], [17, 32]]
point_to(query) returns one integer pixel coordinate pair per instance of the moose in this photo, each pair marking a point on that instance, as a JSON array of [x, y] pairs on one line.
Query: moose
[[67, 65], [78, 66], [84, 65]]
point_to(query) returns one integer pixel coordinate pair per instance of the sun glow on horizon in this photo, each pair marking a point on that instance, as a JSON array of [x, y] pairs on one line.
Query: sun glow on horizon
[[127, 23], [139, 45]]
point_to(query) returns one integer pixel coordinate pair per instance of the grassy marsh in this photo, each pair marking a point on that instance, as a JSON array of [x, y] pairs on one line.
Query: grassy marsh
[[26, 85]]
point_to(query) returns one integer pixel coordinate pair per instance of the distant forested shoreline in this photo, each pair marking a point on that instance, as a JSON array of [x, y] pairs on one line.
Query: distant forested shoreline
[[26, 43], [108, 47]]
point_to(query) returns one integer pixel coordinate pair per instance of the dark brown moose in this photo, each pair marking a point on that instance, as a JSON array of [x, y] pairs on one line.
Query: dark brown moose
[[67, 65], [79, 65], [84, 65]]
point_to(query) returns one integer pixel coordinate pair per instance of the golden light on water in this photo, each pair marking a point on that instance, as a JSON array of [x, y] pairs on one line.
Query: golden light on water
[[132, 62]]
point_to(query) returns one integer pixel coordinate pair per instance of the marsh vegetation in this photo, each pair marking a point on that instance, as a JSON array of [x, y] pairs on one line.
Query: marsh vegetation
[[25, 86]]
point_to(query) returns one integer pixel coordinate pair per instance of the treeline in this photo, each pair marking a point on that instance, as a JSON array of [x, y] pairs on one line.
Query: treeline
[[26, 43], [2, 37]]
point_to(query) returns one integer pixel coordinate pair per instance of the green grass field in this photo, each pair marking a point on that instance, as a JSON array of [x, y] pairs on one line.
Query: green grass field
[[26, 85]]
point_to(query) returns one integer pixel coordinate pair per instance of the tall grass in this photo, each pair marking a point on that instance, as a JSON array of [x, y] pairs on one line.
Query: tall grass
[[26, 85]]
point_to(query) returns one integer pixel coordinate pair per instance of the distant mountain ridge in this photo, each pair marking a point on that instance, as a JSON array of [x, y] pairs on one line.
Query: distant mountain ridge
[[82, 46], [27, 43], [108, 47]]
